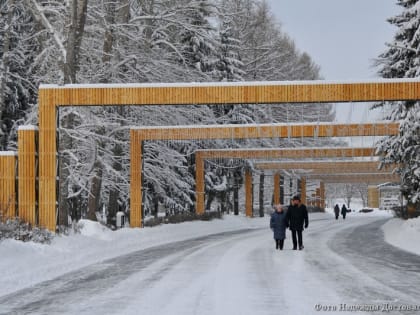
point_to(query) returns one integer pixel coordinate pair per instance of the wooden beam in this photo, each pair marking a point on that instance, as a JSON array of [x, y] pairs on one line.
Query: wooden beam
[[330, 166], [235, 93], [292, 153], [369, 178], [248, 131]]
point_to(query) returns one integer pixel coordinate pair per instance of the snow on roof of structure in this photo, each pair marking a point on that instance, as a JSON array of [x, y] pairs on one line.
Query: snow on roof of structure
[[7, 153], [27, 127], [209, 84], [251, 125]]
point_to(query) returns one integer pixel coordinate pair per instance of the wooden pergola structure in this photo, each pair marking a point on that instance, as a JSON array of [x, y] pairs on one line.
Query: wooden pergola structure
[[140, 134], [52, 97], [321, 160]]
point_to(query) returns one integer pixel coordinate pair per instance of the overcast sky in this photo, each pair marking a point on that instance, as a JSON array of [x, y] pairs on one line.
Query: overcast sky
[[342, 36]]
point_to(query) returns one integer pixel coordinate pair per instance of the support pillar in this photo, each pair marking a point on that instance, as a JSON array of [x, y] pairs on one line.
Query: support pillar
[[303, 190], [136, 180], [317, 198], [373, 197], [47, 179], [248, 194], [276, 189], [199, 183], [27, 173], [8, 184], [322, 195]]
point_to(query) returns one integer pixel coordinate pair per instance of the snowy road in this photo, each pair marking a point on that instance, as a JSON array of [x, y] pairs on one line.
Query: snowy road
[[345, 265]]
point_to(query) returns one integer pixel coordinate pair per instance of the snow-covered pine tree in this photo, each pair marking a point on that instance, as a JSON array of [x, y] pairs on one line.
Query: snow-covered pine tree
[[18, 50], [402, 60], [198, 41], [229, 65]]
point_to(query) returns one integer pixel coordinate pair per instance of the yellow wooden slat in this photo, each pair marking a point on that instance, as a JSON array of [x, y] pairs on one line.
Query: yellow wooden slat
[[7, 185], [267, 131], [27, 174]]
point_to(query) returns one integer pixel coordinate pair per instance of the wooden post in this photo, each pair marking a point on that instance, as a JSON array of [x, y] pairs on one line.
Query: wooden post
[[373, 197], [47, 182], [199, 183], [7, 184], [136, 179], [303, 190], [276, 189], [248, 194], [27, 154], [317, 198], [322, 195]]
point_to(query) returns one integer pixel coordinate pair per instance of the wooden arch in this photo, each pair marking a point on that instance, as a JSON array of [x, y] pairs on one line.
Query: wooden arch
[[51, 97], [327, 166], [140, 134]]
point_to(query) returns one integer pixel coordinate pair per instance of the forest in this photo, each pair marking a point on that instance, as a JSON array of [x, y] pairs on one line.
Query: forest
[[166, 41]]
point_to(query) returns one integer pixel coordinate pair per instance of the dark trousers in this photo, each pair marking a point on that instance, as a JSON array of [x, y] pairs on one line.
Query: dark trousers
[[279, 244], [299, 238]]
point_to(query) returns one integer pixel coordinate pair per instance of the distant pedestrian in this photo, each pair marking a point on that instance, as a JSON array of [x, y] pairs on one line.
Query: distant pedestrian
[[297, 220], [344, 211], [337, 211], [278, 225]]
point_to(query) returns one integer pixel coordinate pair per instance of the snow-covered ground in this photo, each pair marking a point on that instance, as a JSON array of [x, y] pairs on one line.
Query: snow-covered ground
[[23, 265], [404, 234]]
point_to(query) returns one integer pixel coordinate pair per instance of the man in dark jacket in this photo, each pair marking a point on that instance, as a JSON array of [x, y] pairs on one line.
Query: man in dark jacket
[[296, 219], [344, 211], [337, 211]]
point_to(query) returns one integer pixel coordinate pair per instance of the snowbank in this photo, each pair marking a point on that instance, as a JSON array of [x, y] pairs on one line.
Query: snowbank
[[404, 234]]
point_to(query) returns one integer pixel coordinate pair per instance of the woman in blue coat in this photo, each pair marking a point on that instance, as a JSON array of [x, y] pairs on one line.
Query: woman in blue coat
[[278, 225]]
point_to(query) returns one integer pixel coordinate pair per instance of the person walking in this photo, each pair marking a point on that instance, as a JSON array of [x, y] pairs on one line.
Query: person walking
[[344, 211], [297, 220], [337, 211], [278, 225]]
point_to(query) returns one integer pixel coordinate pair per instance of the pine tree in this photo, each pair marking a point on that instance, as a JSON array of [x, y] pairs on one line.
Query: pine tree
[[18, 50], [402, 60]]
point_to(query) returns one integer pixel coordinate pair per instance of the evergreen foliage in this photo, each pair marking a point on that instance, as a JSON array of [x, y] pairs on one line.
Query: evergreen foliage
[[402, 60]]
